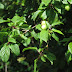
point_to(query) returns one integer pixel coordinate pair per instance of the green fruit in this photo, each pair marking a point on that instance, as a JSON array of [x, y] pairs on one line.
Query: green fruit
[[67, 7], [43, 25]]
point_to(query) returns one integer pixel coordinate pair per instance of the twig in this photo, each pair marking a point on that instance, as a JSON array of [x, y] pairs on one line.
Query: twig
[[29, 30]]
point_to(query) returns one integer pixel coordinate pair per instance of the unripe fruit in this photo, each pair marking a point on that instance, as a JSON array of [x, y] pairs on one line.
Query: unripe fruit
[[67, 7], [44, 26], [43, 23]]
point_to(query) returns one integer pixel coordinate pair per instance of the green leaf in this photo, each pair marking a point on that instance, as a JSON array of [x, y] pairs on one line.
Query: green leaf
[[30, 48], [38, 27], [56, 23], [23, 2], [43, 59], [26, 42], [70, 1], [35, 35], [22, 36], [15, 49], [41, 6], [46, 2], [58, 9], [2, 20], [11, 40], [17, 19], [3, 36], [66, 39], [51, 15], [58, 31], [44, 35], [64, 2], [70, 47], [1, 6], [35, 14], [43, 15], [5, 53], [50, 56], [68, 56], [55, 37]]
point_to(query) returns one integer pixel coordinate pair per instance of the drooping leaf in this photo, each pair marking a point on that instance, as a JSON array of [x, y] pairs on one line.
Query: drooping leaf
[[50, 56], [15, 49], [43, 59], [58, 31], [55, 37]]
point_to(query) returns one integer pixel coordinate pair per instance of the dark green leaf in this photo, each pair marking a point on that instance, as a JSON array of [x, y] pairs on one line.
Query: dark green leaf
[[50, 56]]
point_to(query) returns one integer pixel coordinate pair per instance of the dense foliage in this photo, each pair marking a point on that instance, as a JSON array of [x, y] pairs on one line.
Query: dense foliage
[[36, 35]]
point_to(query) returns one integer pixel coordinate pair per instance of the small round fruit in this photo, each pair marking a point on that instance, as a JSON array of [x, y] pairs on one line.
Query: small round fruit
[[43, 23], [43, 27], [67, 7]]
